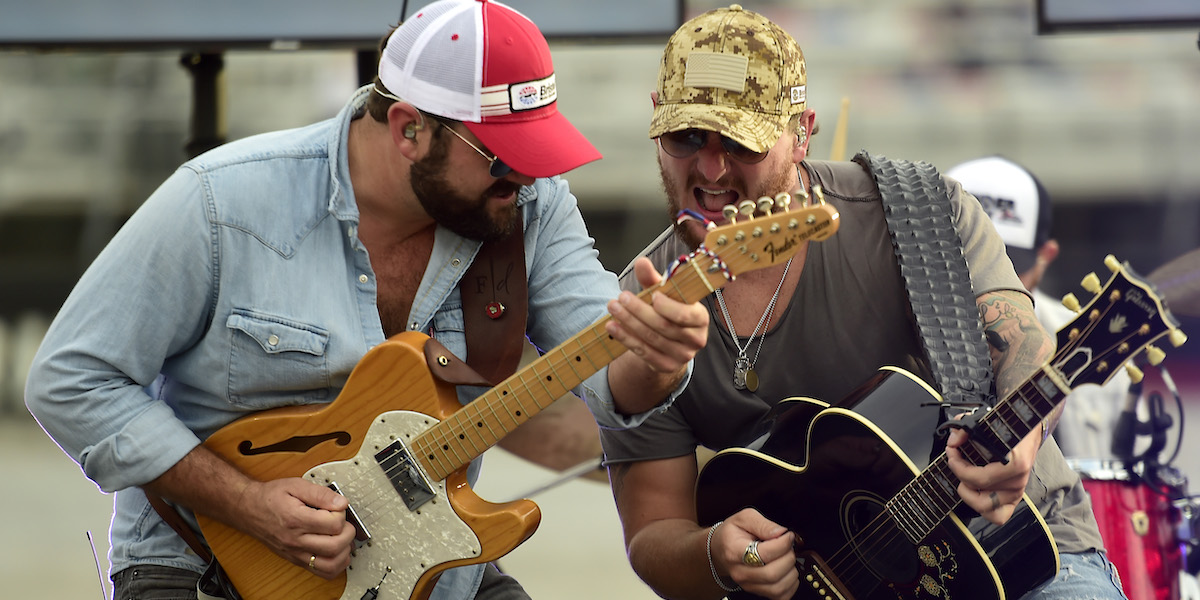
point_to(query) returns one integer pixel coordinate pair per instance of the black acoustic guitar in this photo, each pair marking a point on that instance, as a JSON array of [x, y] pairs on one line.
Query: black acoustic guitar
[[864, 484]]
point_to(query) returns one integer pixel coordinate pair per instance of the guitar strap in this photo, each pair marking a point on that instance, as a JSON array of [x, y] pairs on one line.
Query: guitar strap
[[495, 299], [916, 205]]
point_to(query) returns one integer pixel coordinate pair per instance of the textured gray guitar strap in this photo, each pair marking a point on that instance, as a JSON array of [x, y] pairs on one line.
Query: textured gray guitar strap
[[916, 205]]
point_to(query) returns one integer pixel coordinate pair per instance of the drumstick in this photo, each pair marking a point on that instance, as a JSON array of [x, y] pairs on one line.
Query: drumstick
[[839, 133]]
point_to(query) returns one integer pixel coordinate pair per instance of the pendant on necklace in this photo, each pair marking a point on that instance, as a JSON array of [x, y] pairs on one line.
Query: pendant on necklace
[[744, 376], [751, 380], [740, 367]]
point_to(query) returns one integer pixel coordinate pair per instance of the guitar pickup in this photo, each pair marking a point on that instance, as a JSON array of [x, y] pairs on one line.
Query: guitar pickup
[[361, 535]]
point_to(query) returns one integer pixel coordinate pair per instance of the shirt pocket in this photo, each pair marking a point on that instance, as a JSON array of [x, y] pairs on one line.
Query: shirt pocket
[[275, 361]]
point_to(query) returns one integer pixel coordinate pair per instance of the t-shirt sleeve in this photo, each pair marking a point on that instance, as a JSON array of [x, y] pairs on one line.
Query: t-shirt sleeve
[[987, 260]]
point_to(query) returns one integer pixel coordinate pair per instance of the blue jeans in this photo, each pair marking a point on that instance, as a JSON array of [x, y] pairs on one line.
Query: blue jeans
[[1084, 576], [152, 582]]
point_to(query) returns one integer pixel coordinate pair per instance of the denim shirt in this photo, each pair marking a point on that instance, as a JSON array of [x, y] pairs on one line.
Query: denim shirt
[[241, 285]]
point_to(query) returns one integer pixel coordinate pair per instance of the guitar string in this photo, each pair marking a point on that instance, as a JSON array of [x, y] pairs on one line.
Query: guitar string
[[441, 437], [878, 532]]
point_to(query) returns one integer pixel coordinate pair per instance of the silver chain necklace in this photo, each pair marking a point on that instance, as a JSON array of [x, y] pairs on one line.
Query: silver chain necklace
[[744, 376]]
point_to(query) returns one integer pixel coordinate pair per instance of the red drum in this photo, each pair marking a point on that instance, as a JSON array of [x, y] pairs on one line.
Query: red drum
[[1138, 524]]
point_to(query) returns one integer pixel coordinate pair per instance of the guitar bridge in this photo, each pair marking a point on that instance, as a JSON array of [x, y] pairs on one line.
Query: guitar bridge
[[816, 576], [404, 475]]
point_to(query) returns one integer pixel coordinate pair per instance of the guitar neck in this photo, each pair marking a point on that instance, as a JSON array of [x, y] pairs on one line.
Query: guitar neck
[[929, 497], [754, 243], [465, 435]]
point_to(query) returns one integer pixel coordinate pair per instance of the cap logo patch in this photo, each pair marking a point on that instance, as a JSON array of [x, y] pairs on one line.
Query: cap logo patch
[[716, 70], [1001, 210], [798, 95], [529, 95]]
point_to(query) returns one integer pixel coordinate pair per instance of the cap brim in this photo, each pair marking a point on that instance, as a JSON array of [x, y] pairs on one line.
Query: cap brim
[[539, 148], [755, 131]]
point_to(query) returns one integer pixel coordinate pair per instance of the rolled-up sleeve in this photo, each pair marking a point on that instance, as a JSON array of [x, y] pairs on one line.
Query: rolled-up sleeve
[[569, 290], [143, 299]]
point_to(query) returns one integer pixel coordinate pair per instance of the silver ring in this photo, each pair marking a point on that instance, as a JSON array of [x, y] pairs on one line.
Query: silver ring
[[750, 557], [312, 562], [995, 501]]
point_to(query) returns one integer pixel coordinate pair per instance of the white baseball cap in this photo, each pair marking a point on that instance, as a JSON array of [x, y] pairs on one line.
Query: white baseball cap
[[1014, 199]]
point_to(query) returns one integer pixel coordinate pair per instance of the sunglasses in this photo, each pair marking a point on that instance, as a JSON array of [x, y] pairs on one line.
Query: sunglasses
[[496, 167], [684, 143]]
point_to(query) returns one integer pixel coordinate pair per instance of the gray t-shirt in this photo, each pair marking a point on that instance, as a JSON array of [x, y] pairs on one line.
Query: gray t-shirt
[[847, 318]]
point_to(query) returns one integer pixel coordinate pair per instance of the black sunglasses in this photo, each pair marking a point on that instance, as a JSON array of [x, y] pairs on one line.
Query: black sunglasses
[[686, 142], [496, 167]]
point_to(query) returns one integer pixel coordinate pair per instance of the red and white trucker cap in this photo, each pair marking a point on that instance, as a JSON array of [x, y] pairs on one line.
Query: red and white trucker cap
[[487, 65]]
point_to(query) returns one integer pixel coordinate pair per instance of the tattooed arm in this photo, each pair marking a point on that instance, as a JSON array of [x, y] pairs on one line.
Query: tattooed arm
[[1019, 346]]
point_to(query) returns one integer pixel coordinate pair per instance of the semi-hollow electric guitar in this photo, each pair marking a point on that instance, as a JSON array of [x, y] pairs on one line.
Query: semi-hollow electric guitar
[[876, 510], [396, 442]]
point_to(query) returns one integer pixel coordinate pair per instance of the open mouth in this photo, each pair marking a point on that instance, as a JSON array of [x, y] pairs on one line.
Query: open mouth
[[713, 200]]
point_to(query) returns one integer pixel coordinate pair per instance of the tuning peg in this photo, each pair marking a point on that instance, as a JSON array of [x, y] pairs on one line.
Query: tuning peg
[[1091, 283], [765, 204], [746, 207], [1112, 263], [803, 193], [1135, 374], [1071, 302], [1177, 337], [730, 211], [1155, 355], [819, 193], [783, 200]]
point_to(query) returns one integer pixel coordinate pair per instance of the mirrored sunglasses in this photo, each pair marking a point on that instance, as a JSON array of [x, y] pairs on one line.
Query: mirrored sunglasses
[[685, 143]]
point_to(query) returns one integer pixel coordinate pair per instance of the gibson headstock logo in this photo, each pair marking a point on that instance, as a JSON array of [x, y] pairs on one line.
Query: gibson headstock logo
[[1117, 324]]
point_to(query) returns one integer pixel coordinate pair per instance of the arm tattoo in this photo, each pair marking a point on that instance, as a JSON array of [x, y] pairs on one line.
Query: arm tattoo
[[1018, 343]]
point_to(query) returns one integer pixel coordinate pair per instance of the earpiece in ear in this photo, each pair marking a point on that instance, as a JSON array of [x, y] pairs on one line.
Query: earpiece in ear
[[802, 136], [410, 131]]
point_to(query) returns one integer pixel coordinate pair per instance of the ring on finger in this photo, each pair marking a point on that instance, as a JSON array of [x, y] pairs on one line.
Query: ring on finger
[[995, 501], [750, 557], [312, 562]]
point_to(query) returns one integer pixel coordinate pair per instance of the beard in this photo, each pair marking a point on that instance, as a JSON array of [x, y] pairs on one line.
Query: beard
[[691, 232], [467, 217]]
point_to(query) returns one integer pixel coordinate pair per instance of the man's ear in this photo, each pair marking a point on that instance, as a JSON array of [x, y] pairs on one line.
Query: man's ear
[[404, 123]]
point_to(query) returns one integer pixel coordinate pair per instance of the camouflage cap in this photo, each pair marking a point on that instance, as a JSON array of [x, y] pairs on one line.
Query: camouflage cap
[[734, 72]]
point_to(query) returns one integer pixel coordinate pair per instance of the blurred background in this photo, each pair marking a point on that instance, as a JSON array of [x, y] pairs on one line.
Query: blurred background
[[1107, 117]]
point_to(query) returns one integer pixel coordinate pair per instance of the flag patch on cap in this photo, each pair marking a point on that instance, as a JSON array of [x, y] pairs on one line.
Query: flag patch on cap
[[713, 69]]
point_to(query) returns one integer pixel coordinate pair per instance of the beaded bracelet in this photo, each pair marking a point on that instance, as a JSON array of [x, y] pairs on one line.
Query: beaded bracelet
[[711, 566]]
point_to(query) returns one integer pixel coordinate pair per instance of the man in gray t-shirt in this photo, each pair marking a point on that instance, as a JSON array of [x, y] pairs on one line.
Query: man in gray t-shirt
[[731, 124]]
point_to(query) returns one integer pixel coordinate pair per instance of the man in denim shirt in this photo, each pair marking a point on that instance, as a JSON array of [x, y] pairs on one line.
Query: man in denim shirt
[[261, 272]]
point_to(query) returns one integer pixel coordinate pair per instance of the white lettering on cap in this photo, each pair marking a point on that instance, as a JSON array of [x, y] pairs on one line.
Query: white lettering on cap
[[532, 94]]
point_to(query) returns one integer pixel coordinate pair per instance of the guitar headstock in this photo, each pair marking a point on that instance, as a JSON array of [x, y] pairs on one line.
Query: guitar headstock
[[1125, 317]]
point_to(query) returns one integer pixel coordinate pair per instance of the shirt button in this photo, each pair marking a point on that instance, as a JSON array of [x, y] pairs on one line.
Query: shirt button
[[413, 326], [273, 340], [362, 278], [456, 262]]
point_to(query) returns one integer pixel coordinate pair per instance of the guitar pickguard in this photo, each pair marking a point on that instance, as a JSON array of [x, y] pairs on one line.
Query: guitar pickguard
[[404, 543]]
